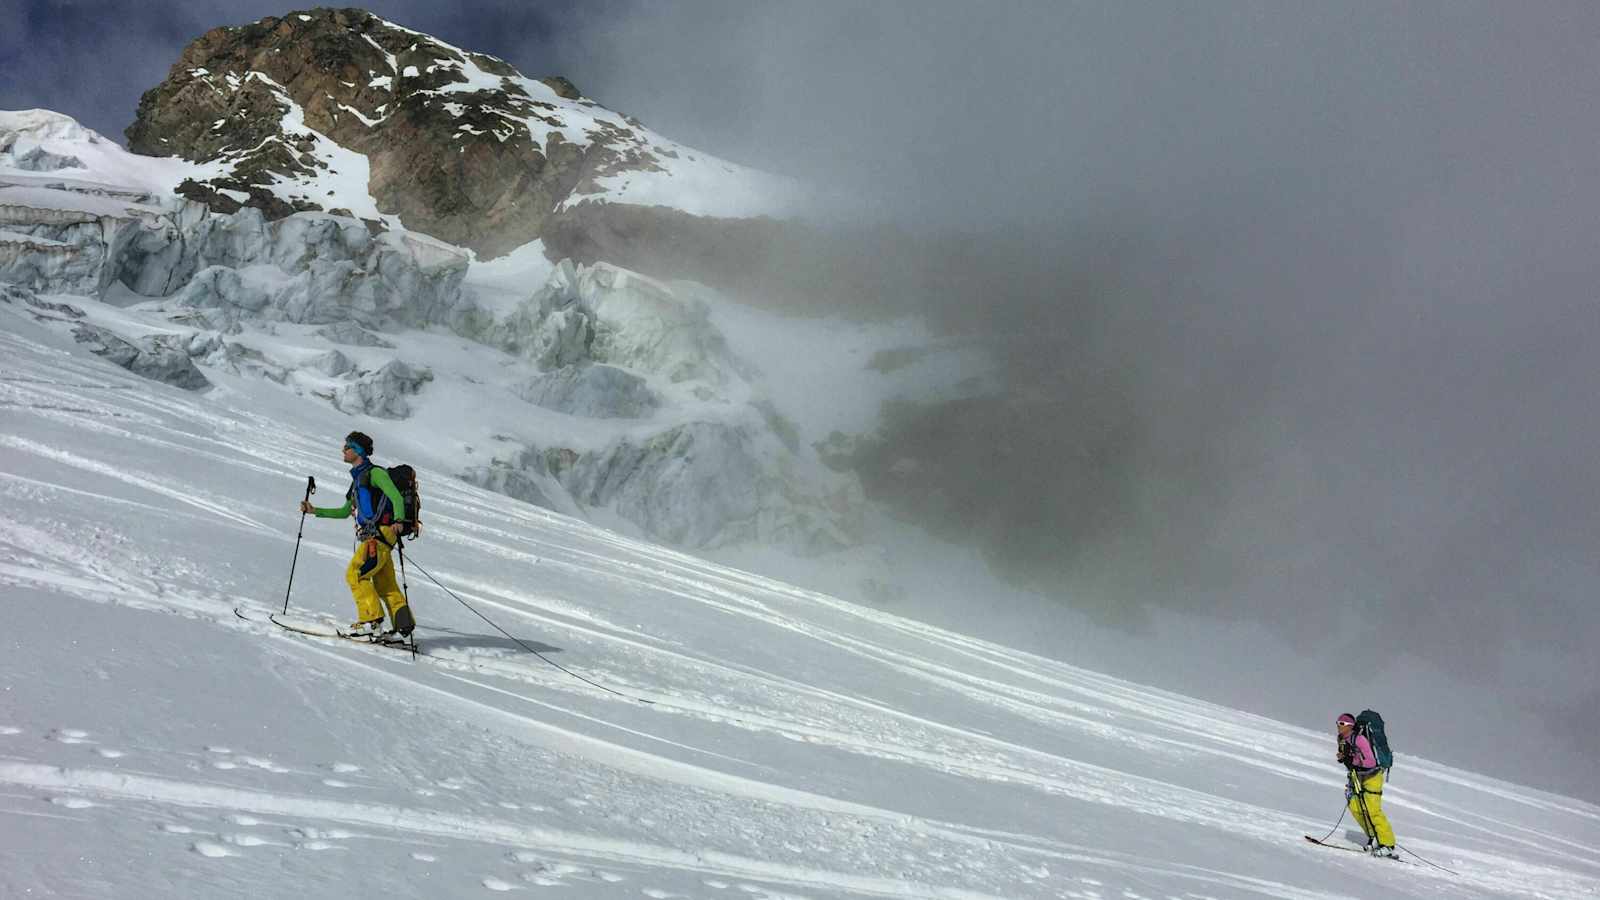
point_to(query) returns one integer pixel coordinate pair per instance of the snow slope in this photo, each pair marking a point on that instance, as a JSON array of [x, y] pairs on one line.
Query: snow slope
[[153, 744], [79, 156]]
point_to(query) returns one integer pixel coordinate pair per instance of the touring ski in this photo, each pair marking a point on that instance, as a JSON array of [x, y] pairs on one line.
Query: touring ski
[[1349, 849], [1334, 846], [388, 639]]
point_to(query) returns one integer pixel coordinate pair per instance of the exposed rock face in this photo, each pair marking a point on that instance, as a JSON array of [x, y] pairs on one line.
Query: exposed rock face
[[668, 243], [781, 262], [455, 144]]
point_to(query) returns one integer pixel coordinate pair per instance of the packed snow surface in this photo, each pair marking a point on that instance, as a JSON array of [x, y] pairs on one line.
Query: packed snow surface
[[749, 739]]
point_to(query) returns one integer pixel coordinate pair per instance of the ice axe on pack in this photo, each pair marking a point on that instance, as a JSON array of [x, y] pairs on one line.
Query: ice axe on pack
[[311, 488]]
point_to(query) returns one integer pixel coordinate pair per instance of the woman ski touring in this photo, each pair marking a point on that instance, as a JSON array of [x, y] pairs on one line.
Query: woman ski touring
[[1364, 790]]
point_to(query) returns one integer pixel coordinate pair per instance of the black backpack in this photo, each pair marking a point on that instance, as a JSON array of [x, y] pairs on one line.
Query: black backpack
[[1370, 724], [405, 481]]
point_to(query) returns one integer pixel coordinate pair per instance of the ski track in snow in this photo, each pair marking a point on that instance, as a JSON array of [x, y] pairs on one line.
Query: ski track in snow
[[796, 746]]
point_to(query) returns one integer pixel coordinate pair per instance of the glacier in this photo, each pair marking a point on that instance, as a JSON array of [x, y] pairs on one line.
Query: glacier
[[600, 391]]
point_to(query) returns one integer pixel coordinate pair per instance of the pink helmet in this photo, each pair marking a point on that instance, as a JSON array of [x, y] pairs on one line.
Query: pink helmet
[[1347, 719]]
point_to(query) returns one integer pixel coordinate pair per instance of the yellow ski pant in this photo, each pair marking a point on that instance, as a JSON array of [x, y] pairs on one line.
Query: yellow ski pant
[[378, 580], [1367, 806]]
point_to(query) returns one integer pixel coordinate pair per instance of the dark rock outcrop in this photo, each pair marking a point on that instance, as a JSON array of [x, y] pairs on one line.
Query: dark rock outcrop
[[458, 144]]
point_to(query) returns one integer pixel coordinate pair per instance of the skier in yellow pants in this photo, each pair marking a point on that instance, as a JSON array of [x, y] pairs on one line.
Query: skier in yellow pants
[[1365, 790], [371, 578], [376, 503]]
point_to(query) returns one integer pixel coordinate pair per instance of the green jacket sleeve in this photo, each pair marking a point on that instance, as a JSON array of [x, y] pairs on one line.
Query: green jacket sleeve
[[381, 481], [332, 512]]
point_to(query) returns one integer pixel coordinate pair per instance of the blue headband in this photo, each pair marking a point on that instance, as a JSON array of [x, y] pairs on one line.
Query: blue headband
[[357, 448]]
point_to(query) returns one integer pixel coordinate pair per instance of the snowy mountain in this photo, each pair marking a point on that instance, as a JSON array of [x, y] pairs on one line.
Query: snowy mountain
[[733, 736], [280, 235], [587, 389], [340, 110]]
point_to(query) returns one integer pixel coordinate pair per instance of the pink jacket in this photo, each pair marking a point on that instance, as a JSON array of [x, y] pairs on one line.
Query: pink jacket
[[1357, 753]]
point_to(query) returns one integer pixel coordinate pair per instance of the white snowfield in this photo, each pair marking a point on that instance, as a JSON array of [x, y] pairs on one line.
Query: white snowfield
[[153, 744]]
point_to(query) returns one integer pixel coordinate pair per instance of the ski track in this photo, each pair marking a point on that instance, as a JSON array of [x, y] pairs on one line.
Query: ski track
[[1054, 698]]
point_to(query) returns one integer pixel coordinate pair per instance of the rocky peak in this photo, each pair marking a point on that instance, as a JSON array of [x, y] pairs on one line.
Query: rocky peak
[[338, 109]]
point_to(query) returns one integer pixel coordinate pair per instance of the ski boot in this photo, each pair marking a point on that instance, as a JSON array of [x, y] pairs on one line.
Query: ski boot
[[369, 629], [403, 623]]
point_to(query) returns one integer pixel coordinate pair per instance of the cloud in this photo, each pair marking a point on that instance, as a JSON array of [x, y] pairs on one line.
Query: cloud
[[1317, 287]]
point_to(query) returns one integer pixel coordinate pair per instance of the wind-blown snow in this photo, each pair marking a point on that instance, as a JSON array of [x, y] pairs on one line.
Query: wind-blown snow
[[153, 744]]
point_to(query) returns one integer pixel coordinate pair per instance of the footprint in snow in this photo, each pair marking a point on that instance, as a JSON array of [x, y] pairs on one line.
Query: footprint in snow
[[424, 857], [218, 750], [317, 834], [177, 829], [247, 840], [71, 802], [109, 753], [9, 729], [495, 884], [346, 768], [336, 783], [211, 849], [267, 764], [224, 764], [69, 736]]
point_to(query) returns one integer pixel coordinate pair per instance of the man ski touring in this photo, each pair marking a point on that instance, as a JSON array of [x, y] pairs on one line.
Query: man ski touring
[[377, 505], [1364, 790]]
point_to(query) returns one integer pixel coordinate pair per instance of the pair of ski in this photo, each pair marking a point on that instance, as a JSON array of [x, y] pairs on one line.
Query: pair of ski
[[1347, 848], [318, 629]]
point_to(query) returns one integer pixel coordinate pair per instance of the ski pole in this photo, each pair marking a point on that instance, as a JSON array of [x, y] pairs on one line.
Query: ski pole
[[311, 488], [1366, 813]]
